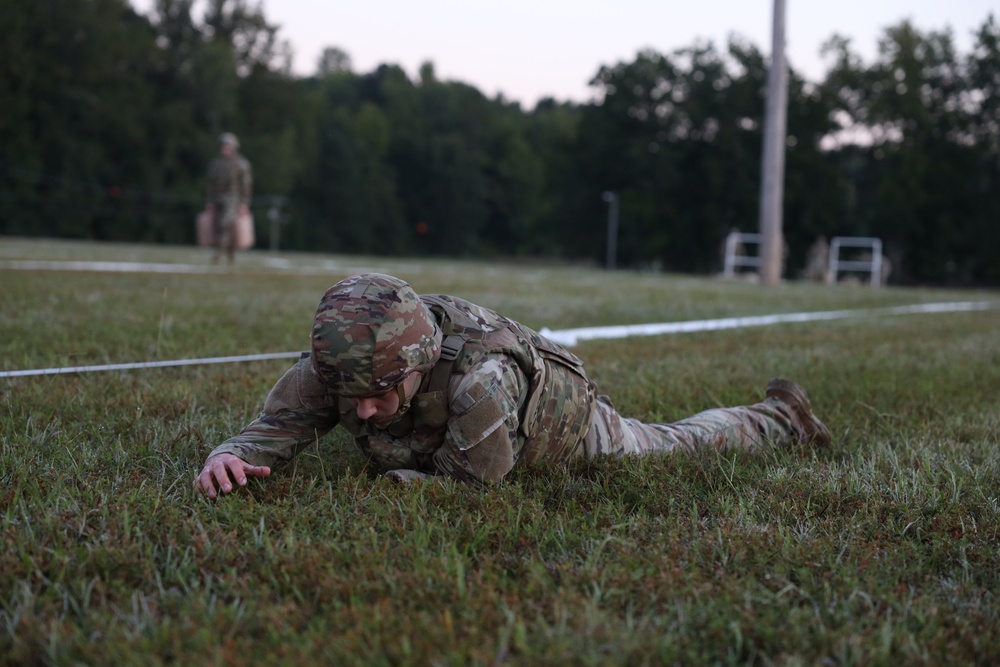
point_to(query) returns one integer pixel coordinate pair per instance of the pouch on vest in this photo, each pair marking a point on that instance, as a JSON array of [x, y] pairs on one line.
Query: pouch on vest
[[560, 409], [480, 432]]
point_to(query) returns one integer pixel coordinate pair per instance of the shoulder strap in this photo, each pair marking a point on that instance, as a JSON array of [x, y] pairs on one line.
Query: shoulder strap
[[450, 348]]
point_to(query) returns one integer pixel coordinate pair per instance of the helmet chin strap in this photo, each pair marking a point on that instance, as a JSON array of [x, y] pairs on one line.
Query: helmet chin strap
[[404, 400]]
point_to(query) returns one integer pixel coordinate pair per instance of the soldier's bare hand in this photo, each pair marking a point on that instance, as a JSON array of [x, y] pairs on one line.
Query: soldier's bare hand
[[222, 470]]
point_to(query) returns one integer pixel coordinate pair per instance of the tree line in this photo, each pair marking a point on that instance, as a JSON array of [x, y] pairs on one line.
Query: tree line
[[110, 118]]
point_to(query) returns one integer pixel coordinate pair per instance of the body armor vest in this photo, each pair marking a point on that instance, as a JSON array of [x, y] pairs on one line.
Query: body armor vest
[[553, 420]]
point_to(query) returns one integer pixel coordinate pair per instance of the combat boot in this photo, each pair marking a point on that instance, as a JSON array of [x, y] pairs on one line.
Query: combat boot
[[812, 429]]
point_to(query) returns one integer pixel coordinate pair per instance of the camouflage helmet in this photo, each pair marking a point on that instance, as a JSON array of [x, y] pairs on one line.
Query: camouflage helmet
[[371, 331], [229, 139]]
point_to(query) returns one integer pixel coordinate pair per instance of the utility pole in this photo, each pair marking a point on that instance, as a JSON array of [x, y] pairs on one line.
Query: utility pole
[[772, 171]]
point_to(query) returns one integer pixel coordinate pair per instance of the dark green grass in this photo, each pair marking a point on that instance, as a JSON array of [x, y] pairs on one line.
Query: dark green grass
[[882, 549]]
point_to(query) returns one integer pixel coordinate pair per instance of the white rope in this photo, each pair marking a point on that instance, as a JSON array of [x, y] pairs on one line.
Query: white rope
[[149, 364]]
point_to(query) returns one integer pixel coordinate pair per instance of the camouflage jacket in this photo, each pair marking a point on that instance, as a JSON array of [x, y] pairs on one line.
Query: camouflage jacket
[[512, 396], [229, 176]]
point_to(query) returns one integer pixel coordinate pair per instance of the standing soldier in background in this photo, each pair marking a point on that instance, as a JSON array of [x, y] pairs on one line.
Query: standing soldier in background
[[434, 385], [228, 191]]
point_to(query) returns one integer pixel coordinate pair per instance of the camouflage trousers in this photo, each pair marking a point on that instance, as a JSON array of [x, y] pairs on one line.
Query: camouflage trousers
[[745, 428], [224, 214]]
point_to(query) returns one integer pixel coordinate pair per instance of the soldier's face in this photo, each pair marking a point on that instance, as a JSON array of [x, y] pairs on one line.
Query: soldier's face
[[376, 408], [382, 408]]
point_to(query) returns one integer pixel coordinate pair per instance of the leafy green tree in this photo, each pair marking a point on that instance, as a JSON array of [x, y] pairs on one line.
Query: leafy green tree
[[924, 165], [75, 76], [515, 180], [983, 98], [444, 149], [332, 61], [344, 197], [252, 40], [110, 118], [227, 72], [619, 150], [551, 225], [678, 138]]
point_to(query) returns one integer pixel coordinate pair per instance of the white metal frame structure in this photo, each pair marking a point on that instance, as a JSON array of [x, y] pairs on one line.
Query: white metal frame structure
[[874, 265], [733, 260]]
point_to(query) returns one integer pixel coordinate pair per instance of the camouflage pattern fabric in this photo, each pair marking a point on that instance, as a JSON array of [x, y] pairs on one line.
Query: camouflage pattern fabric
[[224, 213], [555, 399], [766, 424], [229, 176], [513, 397], [370, 331], [298, 411], [229, 186]]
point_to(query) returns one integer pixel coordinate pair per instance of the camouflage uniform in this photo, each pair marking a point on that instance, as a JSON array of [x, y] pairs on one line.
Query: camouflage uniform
[[229, 186], [511, 396]]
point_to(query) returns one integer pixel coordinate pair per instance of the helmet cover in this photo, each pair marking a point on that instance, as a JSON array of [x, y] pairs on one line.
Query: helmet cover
[[370, 331], [229, 139]]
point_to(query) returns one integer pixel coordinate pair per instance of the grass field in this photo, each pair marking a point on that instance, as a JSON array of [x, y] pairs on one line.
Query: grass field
[[883, 549]]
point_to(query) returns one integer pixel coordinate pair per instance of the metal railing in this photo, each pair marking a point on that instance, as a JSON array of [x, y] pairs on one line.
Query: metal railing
[[732, 260], [872, 265]]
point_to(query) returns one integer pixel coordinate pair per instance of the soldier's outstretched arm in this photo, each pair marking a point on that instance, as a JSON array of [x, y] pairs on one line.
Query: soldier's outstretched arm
[[222, 470], [297, 412]]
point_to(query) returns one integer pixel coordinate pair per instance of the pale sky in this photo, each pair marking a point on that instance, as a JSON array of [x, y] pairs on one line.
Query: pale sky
[[530, 49]]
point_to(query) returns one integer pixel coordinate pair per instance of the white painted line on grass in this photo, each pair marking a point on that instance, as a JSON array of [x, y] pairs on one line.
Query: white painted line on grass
[[277, 264], [571, 337], [109, 267]]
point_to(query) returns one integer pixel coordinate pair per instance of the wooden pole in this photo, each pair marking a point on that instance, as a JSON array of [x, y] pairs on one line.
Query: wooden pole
[[772, 179]]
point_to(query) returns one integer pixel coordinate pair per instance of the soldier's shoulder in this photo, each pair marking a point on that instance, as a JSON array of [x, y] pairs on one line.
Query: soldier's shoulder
[[299, 389]]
